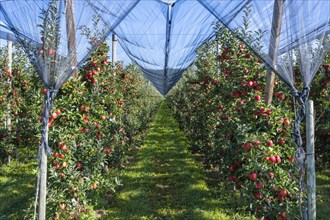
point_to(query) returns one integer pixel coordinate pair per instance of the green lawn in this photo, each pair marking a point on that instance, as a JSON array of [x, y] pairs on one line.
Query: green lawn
[[165, 182], [17, 189], [323, 195]]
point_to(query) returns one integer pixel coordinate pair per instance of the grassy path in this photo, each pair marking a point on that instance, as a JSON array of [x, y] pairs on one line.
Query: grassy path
[[165, 182]]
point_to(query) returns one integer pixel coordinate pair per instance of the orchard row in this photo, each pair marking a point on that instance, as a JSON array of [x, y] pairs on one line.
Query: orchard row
[[220, 107], [98, 120]]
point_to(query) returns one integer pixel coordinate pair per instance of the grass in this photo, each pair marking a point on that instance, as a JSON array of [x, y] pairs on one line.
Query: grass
[[165, 182], [17, 189], [323, 195]]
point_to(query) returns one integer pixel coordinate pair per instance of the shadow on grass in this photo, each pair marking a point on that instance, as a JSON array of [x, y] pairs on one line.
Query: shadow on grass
[[17, 188], [165, 182]]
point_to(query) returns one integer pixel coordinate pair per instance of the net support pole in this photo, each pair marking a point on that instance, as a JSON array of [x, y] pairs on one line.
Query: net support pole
[[311, 178], [114, 48], [9, 65], [273, 48], [43, 183], [71, 33]]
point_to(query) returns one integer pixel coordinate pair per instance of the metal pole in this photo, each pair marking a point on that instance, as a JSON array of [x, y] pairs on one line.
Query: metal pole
[[273, 48], [114, 49], [311, 179], [43, 183]]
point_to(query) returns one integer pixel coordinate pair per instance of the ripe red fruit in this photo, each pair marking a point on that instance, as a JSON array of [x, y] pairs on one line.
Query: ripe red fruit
[[258, 87], [278, 159], [78, 165], [286, 122], [103, 117], [61, 206], [62, 175], [64, 148], [269, 143], [257, 195], [281, 97], [245, 70], [94, 186], [250, 84], [283, 214], [280, 199], [272, 159], [257, 98], [107, 151], [55, 154], [283, 193], [247, 146], [44, 91], [231, 168], [230, 178], [54, 115], [257, 142], [252, 176], [291, 159], [259, 185], [271, 175], [281, 140], [62, 156]]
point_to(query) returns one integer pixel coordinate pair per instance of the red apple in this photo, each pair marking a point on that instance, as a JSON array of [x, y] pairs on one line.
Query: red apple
[[286, 122], [281, 140], [247, 146], [283, 193], [257, 98], [252, 176], [278, 159], [257, 195], [61, 206], [231, 169], [259, 185], [54, 115], [272, 159], [291, 159], [269, 143], [271, 175], [257, 142]]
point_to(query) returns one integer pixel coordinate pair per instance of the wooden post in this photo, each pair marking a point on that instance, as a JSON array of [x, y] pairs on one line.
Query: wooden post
[[114, 48], [71, 33], [273, 48], [311, 178], [9, 65]]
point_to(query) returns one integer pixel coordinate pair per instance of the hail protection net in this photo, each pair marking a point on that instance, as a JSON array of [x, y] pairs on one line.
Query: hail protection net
[[58, 36], [303, 37]]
